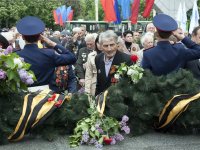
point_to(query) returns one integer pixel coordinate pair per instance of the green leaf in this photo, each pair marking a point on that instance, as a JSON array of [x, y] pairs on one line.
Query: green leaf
[[97, 133], [101, 140], [10, 74], [9, 62], [93, 128], [87, 120], [84, 127], [92, 134]]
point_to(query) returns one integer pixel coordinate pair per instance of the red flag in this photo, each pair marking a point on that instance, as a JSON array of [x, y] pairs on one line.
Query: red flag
[[148, 8], [109, 11], [70, 16], [61, 21], [135, 11], [55, 17]]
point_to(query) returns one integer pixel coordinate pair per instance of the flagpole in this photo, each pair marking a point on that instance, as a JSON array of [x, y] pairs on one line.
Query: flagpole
[[96, 10]]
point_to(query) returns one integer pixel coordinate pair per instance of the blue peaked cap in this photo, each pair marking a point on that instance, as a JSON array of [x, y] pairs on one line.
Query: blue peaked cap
[[30, 25], [165, 23]]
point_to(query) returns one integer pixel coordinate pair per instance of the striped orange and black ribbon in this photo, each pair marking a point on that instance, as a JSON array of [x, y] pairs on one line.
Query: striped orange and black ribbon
[[36, 109], [174, 108], [101, 102]]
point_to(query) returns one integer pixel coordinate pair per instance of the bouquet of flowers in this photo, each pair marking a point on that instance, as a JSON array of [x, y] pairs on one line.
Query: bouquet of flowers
[[14, 74], [98, 129], [134, 72]]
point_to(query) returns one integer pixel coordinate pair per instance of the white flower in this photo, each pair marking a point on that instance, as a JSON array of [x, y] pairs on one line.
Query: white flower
[[130, 72], [116, 76], [124, 68], [18, 62]]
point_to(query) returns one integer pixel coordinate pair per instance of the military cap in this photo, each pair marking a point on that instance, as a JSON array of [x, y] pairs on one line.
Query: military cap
[[30, 25], [165, 23]]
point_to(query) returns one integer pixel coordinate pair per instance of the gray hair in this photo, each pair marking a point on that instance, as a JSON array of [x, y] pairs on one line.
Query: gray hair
[[147, 35], [76, 29], [90, 37], [107, 35]]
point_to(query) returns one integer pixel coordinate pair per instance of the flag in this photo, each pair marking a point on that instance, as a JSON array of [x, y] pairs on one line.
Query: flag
[[148, 8], [194, 20], [117, 12], [125, 6], [55, 17], [109, 11], [64, 14], [58, 12], [135, 11], [70, 16], [69, 9], [182, 16]]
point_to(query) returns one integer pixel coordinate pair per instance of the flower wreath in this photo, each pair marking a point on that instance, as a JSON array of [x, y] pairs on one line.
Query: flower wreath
[[14, 72], [134, 72]]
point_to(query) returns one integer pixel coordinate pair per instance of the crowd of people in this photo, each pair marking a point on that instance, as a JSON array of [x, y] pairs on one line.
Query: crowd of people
[[81, 61]]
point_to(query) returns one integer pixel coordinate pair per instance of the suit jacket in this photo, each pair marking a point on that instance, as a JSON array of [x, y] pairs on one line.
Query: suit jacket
[[104, 82], [194, 67], [81, 62], [165, 57], [43, 61]]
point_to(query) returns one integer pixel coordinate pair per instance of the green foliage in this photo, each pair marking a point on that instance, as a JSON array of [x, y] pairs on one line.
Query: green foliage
[[10, 64], [89, 127]]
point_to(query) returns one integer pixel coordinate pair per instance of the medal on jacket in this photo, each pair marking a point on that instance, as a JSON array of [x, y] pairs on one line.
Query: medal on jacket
[[99, 71], [84, 56]]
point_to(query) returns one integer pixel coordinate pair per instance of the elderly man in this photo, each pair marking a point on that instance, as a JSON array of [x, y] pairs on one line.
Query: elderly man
[[43, 61], [110, 57], [82, 58], [165, 57]]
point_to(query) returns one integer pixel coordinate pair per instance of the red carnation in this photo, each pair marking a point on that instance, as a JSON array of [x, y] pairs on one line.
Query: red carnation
[[50, 99], [54, 96], [107, 140], [134, 58], [58, 103]]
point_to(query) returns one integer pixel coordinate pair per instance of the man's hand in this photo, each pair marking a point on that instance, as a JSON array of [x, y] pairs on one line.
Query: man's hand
[[179, 34], [48, 41]]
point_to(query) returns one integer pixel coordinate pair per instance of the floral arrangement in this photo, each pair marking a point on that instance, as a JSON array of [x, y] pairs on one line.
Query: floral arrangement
[[98, 129], [134, 72], [14, 74]]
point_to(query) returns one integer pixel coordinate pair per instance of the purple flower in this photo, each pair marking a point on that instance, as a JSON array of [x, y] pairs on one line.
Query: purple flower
[[8, 50], [126, 129], [81, 90], [122, 124], [113, 141], [125, 118], [100, 130], [118, 137], [29, 81], [92, 141], [98, 145], [97, 125], [2, 74], [85, 136]]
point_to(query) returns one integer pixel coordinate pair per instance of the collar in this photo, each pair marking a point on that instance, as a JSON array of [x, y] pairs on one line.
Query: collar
[[31, 46]]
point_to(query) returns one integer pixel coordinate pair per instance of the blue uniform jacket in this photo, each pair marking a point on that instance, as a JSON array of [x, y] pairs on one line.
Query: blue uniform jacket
[[43, 61], [165, 57]]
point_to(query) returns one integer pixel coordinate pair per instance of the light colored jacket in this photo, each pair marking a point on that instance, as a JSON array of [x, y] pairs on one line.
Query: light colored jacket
[[91, 74], [134, 48]]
